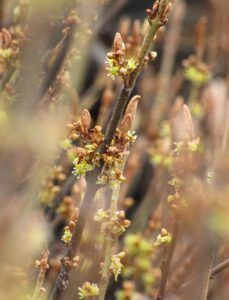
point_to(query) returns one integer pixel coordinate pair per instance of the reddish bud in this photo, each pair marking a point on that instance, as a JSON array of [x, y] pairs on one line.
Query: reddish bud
[[132, 106], [86, 119], [126, 124], [118, 43]]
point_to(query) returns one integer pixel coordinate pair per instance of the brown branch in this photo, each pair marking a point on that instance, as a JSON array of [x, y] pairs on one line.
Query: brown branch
[[62, 280]]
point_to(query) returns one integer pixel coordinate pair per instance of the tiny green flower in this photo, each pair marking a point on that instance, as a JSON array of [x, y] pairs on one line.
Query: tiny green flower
[[116, 265], [101, 215], [131, 64], [165, 129], [157, 159], [131, 135], [193, 145], [80, 169], [65, 144], [67, 236], [164, 238], [210, 177], [196, 76], [176, 182], [197, 109], [88, 290], [112, 68], [149, 279], [6, 53], [179, 147]]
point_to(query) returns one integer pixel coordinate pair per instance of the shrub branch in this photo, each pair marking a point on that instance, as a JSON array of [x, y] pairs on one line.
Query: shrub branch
[[157, 20]]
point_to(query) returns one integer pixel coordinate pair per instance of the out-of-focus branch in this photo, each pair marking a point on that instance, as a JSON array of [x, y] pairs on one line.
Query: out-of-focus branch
[[166, 262], [219, 268], [170, 47]]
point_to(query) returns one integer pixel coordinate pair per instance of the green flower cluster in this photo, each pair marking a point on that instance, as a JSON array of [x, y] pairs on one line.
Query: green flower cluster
[[116, 224], [80, 169], [164, 238], [67, 236], [6, 53], [88, 290], [140, 253], [196, 76], [115, 69], [116, 265], [190, 146]]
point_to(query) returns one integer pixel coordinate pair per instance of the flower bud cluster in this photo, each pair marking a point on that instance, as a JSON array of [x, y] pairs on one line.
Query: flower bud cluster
[[116, 225], [116, 265], [51, 185], [139, 259], [87, 156], [115, 155], [43, 264], [154, 12], [164, 238], [68, 230], [71, 263], [88, 291], [118, 64], [8, 49], [196, 71]]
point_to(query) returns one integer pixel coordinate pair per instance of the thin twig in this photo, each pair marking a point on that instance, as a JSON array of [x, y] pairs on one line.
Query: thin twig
[[206, 277], [220, 267], [110, 242], [166, 262]]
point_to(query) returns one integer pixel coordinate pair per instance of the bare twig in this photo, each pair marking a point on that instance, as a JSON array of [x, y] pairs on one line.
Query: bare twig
[[166, 262], [206, 277], [109, 245]]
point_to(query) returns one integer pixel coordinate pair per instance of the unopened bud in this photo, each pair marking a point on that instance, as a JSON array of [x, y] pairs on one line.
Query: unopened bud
[[164, 232], [132, 106], [126, 124], [118, 43], [86, 119]]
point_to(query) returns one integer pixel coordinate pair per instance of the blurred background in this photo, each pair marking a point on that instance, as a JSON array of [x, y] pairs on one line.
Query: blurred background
[[52, 66]]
